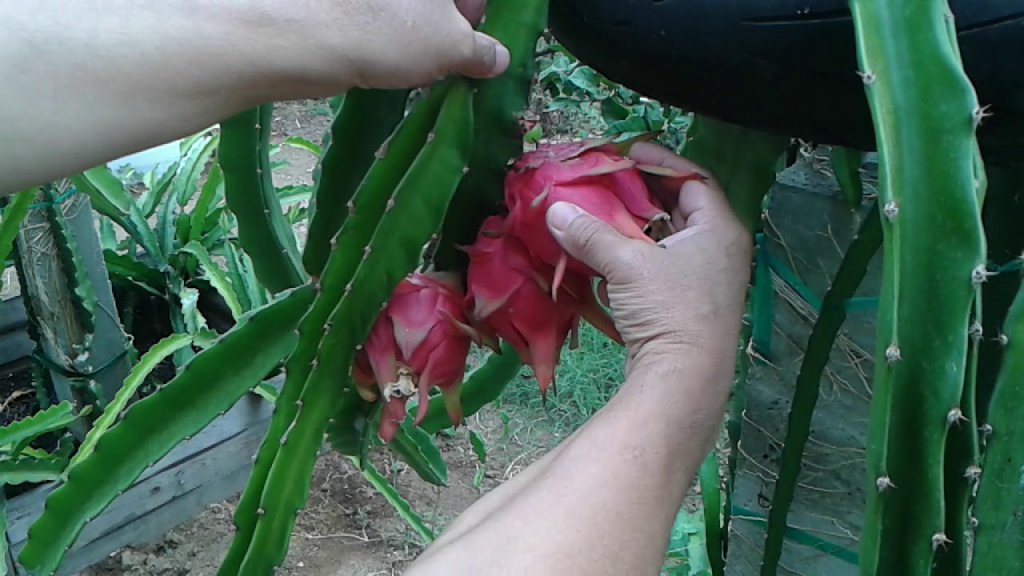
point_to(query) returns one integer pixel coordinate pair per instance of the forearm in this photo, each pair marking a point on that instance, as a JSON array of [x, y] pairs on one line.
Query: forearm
[[87, 81], [603, 502]]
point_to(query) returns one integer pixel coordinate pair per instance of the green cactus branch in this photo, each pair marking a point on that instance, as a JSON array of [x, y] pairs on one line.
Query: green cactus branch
[[808, 383], [999, 509], [414, 215], [210, 384], [361, 127], [742, 160], [498, 106], [265, 235], [925, 113], [368, 205]]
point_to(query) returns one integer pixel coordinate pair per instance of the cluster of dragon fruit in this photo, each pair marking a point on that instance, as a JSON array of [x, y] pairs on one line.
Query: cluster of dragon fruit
[[520, 286]]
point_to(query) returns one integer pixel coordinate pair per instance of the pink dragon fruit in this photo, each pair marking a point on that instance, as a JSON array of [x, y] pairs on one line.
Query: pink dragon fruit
[[509, 294], [419, 341], [592, 175]]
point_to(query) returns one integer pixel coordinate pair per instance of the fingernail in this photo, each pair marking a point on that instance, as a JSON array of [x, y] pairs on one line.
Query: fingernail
[[561, 215], [502, 57]]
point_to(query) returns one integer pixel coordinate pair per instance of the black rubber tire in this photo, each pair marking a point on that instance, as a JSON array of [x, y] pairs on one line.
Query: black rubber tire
[[786, 66]]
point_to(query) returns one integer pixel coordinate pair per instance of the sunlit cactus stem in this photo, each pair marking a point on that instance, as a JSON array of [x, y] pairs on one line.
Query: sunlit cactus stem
[[925, 115]]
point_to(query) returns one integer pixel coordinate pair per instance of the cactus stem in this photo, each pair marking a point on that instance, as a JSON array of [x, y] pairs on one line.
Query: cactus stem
[[298, 403], [382, 151], [367, 251], [940, 540], [389, 206], [351, 208], [884, 484], [892, 354], [430, 137], [891, 210]]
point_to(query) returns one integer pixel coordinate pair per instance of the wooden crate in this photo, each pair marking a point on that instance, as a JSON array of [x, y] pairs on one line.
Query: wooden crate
[[213, 466]]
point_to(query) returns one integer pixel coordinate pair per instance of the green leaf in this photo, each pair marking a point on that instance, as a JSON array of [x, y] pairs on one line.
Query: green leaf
[[214, 184], [135, 379], [399, 504], [302, 144], [110, 188], [196, 157], [132, 270], [14, 213], [53, 418], [25, 469], [157, 190], [267, 392], [846, 166], [210, 384], [3, 526], [479, 448], [216, 276], [416, 448]]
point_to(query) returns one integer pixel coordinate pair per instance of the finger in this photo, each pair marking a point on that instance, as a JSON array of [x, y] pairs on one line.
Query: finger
[[699, 204], [590, 240], [472, 10], [477, 55], [647, 153]]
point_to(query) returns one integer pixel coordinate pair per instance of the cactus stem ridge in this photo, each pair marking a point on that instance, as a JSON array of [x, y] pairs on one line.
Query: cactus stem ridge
[[973, 473]]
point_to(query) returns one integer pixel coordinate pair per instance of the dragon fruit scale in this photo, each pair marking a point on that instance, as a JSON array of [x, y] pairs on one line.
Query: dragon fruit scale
[[420, 340], [509, 294], [593, 176]]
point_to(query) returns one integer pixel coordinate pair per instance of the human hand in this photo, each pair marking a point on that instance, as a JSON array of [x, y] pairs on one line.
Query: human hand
[[391, 43], [688, 291]]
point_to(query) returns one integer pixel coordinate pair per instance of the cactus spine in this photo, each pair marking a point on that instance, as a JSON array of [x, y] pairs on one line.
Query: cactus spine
[[808, 383], [925, 114]]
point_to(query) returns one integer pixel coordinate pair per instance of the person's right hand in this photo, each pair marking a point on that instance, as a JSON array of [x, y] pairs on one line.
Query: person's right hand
[[391, 43], [688, 291]]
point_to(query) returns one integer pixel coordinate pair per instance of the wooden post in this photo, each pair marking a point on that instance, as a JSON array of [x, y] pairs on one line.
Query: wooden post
[[69, 300]]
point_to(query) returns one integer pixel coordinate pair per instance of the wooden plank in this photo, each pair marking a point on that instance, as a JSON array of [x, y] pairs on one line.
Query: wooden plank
[[211, 467], [228, 466], [8, 558]]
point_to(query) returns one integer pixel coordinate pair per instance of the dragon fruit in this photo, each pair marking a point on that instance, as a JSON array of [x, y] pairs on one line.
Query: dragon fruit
[[509, 294], [592, 175], [420, 340]]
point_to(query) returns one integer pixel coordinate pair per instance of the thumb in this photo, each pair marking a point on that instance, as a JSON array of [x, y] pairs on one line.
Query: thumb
[[481, 57], [588, 239]]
